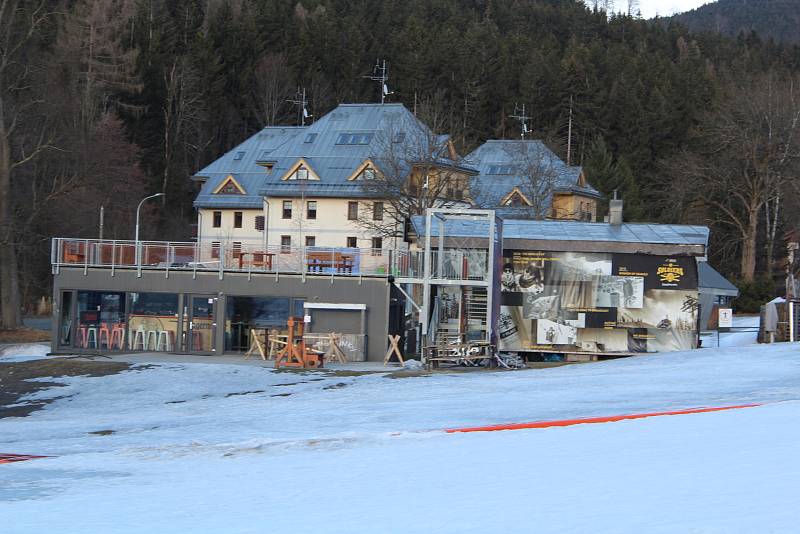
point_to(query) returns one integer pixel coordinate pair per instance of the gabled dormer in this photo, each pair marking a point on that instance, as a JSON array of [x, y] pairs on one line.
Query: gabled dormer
[[229, 186], [365, 171], [516, 199], [301, 170]]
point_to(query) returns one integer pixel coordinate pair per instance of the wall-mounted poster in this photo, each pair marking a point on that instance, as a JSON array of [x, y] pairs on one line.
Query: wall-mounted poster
[[564, 301], [659, 272], [553, 333], [620, 291]]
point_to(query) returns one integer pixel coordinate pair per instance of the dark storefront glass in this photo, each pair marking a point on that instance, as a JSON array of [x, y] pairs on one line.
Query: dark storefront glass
[[153, 321], [101, 320], [259, 313]]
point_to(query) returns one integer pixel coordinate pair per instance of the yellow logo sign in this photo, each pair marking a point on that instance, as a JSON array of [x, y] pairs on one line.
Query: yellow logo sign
[[670, 273]]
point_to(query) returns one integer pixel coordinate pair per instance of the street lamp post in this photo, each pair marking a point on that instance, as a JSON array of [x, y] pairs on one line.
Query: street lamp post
[[136, 239]]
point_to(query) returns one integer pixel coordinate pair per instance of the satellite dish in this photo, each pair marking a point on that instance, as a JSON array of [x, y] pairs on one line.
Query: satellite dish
[[386, 90], [305, 113]]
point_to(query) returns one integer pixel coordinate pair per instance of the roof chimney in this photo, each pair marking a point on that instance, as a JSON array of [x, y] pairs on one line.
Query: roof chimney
[[615, 211]]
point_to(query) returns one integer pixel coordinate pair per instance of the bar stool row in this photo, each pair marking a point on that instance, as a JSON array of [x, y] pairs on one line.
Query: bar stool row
[[114, 337]]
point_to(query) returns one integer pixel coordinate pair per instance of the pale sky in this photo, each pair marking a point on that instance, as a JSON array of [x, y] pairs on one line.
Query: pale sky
[[662, 8]]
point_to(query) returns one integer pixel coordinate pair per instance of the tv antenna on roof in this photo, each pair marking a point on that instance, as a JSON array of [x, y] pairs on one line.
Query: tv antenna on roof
[[301, 103], [522, 118], [380, 74]]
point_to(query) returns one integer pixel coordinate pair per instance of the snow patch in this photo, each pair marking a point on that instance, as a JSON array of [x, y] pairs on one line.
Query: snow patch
[[24, 352], [412, 365]]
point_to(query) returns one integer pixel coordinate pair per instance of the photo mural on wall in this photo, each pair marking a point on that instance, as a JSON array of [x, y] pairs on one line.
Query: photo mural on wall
[[597, 302]]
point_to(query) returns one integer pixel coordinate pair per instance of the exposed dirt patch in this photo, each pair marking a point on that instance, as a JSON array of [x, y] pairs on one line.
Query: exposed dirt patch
[[106, 432], [245, 393], [338, 385], [15, 380], [408, 374], [281, 395], [24, 335]]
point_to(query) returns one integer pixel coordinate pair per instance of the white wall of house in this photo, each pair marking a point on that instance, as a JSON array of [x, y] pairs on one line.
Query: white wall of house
[[330, 228], [227, 232]]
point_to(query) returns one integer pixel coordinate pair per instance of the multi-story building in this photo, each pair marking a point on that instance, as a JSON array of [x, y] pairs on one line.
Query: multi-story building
[[523, 179], [342, 182]]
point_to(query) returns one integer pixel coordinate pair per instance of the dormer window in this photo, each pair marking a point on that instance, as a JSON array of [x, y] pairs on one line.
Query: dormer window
[[301, 174], [268, 165], [516, 199], [229, 186], [368, 174], [300, 171]]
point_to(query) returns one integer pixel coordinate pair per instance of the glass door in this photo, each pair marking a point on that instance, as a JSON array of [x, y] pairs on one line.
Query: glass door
[[200, 325]]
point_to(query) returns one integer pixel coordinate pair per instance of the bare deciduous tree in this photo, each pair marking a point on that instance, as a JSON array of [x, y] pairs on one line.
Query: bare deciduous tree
[[751, 153], [415, 169], [272, 87], [20, 24]]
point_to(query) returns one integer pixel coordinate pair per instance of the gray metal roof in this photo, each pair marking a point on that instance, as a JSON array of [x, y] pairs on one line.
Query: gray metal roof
[[713, 281], [503, 165], [670, 234], [333, 147], [241, 163]]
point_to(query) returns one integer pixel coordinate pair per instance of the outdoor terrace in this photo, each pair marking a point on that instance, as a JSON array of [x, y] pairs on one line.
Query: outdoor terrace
[[257, 259]]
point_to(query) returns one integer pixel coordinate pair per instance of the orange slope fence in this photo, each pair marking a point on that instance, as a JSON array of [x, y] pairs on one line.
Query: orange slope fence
[[9, 458], [593, 420]]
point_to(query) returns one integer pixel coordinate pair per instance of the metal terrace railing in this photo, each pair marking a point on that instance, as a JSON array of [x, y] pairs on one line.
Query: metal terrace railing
[[221, 257]]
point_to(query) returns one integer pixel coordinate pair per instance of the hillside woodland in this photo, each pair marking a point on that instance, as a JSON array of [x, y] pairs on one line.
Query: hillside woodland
[[102, 102], [778, 20]]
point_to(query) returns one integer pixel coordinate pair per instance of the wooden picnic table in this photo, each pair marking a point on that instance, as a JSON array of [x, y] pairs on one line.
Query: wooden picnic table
[[319, 261], [260, 259]]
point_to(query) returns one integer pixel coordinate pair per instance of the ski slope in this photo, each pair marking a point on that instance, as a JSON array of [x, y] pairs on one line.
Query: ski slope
[[233, 448]]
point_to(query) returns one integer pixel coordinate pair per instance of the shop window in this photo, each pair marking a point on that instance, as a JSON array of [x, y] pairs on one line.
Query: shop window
[[237, 219], [101, 321], [153, 322], [67, 320], [217, 219], [253, 313]]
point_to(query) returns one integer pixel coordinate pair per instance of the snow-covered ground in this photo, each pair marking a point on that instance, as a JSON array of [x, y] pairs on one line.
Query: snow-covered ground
[[744, 332], [23, 352], [231, 448]]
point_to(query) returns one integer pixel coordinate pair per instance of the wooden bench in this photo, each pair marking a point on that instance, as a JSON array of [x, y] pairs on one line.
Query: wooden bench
[[319, 262]]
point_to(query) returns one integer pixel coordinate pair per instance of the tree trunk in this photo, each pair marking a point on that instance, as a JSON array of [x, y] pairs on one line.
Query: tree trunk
[[9, 275], [748, 266]]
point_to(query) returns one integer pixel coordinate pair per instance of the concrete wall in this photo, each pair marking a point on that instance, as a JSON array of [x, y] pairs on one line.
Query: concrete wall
[[372, 292]]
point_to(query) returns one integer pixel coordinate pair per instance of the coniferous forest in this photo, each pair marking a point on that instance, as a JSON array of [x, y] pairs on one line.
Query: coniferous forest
[[103, 102]]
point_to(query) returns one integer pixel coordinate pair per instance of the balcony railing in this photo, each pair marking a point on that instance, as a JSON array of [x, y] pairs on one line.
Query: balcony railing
[[207, 256]]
